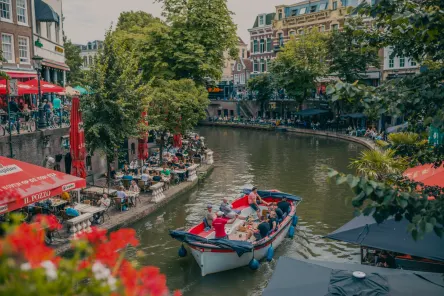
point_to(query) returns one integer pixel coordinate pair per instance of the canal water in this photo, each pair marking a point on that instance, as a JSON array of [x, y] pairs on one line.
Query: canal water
[[270, 160]]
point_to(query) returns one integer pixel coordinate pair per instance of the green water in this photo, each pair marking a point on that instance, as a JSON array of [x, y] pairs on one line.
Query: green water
[[270, 160]]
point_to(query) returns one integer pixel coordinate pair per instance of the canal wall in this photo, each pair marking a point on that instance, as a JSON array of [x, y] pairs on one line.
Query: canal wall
[[144, 207], [363, 141]]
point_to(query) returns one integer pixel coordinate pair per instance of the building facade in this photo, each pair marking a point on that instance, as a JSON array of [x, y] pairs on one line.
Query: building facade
[[88, 53], [241, 73], [16, 38], [227, 71], [261, 42], [396, 66], [48, 39]]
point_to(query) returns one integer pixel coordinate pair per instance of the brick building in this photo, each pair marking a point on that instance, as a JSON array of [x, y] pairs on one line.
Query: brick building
[[261, 40], [241, 73], [16, 38]]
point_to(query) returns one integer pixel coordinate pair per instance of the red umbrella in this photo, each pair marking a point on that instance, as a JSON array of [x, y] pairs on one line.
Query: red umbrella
[[23, 89], [177, 140], [77, 140], [143, 140], [427, 174], [30, 183], [45, 87]]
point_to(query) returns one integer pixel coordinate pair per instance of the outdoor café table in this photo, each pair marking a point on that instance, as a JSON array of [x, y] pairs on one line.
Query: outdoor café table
[[57, 203], [132, 196]]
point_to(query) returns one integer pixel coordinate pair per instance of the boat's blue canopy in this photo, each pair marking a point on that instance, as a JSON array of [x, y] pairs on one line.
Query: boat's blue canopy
[[274, 194], [311, 277], [390, 235], [240, 247]]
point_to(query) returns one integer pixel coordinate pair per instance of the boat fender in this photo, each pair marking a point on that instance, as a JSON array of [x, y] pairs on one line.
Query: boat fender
[[254, 264], [182, 251], [291, 232], [270, 253], [295, 220]]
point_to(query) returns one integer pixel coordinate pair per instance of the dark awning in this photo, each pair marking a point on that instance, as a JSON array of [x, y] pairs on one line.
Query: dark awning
[[311, 112], [311, 277], [390, 236], [354, 115], [45, 13]]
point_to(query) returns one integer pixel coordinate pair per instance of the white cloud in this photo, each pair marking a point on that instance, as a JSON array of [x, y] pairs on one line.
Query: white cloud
[[87, 20]]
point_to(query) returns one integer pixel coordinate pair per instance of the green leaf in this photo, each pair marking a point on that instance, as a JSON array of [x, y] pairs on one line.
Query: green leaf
[[403, 203], [340, 180], [352, 181], [415, 234], [438, 231], [416, 219], [368, 190], [387, 199], [428, 227], [330, 90], [332, 173], [411, 227], [368, 210], [334, 98]]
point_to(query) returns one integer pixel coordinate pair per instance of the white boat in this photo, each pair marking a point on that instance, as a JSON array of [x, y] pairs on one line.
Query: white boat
[[216, 255]]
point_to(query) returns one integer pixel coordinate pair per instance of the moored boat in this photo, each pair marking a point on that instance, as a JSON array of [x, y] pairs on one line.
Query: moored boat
[[216, 255]]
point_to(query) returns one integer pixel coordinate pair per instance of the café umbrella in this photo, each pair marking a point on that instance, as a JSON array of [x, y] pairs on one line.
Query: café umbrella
[[143, 140], [177, 140], [427, 174], [45, 87], [22, 184], [77, 140], [23, 89]]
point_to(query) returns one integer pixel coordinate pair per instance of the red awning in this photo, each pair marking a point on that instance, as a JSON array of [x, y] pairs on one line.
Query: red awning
[[31, 183], [45, 87], [21, 75], [23, 88], [427, 174]]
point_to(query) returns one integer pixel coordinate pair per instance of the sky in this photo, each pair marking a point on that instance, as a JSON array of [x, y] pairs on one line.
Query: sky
[[87, 20]]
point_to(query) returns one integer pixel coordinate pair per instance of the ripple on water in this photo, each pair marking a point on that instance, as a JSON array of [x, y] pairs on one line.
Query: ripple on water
[[288, 162]]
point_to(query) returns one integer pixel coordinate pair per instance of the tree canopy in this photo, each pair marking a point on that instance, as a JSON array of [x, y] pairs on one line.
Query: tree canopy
[[75, 75]]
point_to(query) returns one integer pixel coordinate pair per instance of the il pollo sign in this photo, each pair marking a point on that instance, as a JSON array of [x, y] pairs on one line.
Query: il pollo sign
[[37, 197]]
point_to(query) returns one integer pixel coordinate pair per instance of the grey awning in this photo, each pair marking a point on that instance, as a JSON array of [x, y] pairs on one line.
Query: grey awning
[[45, 13]]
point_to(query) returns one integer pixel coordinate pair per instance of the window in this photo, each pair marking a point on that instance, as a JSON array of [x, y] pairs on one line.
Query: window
[[335, 5], [8, 47], [91, 61], [303, 10], [301, 31], [5, 10], [391, 63], [344, 2], [322, 28], [402, 62], [280, 14], [23, 45], [236, 78], [242, 78], [38, 28], [294, 12], [21, 12], [85, 62], [412, 63], [261, 20], [269, 44], [239, 66], [262, 45], [251, 46], [262, 65], [243, 53], [268, 64], [255, 47], [323, 6], [281, 39], [292, 33], [256, 66], [335, 27], [57, 32], [48, 30], [313, 8]]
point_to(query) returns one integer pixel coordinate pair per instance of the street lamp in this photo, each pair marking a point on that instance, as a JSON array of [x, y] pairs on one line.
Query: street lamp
[[37, 62]]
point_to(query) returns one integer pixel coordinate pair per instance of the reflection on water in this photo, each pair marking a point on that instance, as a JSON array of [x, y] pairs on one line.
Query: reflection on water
[[270, 160]]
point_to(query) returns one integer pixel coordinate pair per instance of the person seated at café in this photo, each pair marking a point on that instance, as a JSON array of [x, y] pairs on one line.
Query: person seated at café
[[181, 165], [134, 187], [133, 166], [156, 177], [112, 173], [227, 209], [219, 225], [209, 218], [123, 197], [165, 172], [70, 211], [65, 196], [104, 201], [253, 199], [126, 169], [145, 177]]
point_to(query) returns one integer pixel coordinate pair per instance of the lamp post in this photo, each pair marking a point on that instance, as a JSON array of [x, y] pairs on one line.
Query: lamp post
[[37, 61]]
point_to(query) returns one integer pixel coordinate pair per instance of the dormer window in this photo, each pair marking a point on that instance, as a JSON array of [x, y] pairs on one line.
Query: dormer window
[[303, 10], [313, 8], [280, 14], [261, 20], [239, 67], [323, 6], [294, 12]]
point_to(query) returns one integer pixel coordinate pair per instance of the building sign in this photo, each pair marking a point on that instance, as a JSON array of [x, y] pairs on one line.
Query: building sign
[[9, 169], [37, 197], [68, 186], [59, 49], [3, 209], [215, 90], [436, 137], [13, 88]]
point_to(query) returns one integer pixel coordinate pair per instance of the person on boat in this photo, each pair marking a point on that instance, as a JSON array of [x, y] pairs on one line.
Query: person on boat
[[219, 225], [386, 260], [228, 209], [253, 197], [284, 205], [279, 213], [261, 231], [209, 218], [273, 221]]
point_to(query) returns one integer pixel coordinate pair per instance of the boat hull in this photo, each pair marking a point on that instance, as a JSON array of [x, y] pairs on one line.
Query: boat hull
[[213, 260]]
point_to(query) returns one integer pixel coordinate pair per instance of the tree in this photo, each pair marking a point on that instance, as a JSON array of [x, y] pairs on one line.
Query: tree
[[263, 86], [201, 31], [301, 63], [349, 53], [176, 106], [75, 75], [111, 113]]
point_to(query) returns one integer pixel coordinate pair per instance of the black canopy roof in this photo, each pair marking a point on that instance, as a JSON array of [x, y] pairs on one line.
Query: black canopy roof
[[45, 13], [311, 112], [320, 278], [389, 235]]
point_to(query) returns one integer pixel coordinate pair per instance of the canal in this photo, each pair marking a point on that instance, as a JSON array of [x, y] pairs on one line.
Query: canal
[[270, 160]]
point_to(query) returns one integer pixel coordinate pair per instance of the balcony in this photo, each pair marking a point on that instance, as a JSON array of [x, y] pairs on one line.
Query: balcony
[[306, 18]]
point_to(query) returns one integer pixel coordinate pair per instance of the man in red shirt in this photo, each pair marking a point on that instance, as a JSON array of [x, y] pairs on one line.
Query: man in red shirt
[[219, 225]]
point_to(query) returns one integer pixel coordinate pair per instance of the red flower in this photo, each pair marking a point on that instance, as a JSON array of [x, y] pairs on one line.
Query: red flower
[[95, 236], [84, 264], [177, 293], [129, 278], [49, 221], [123, 237]]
